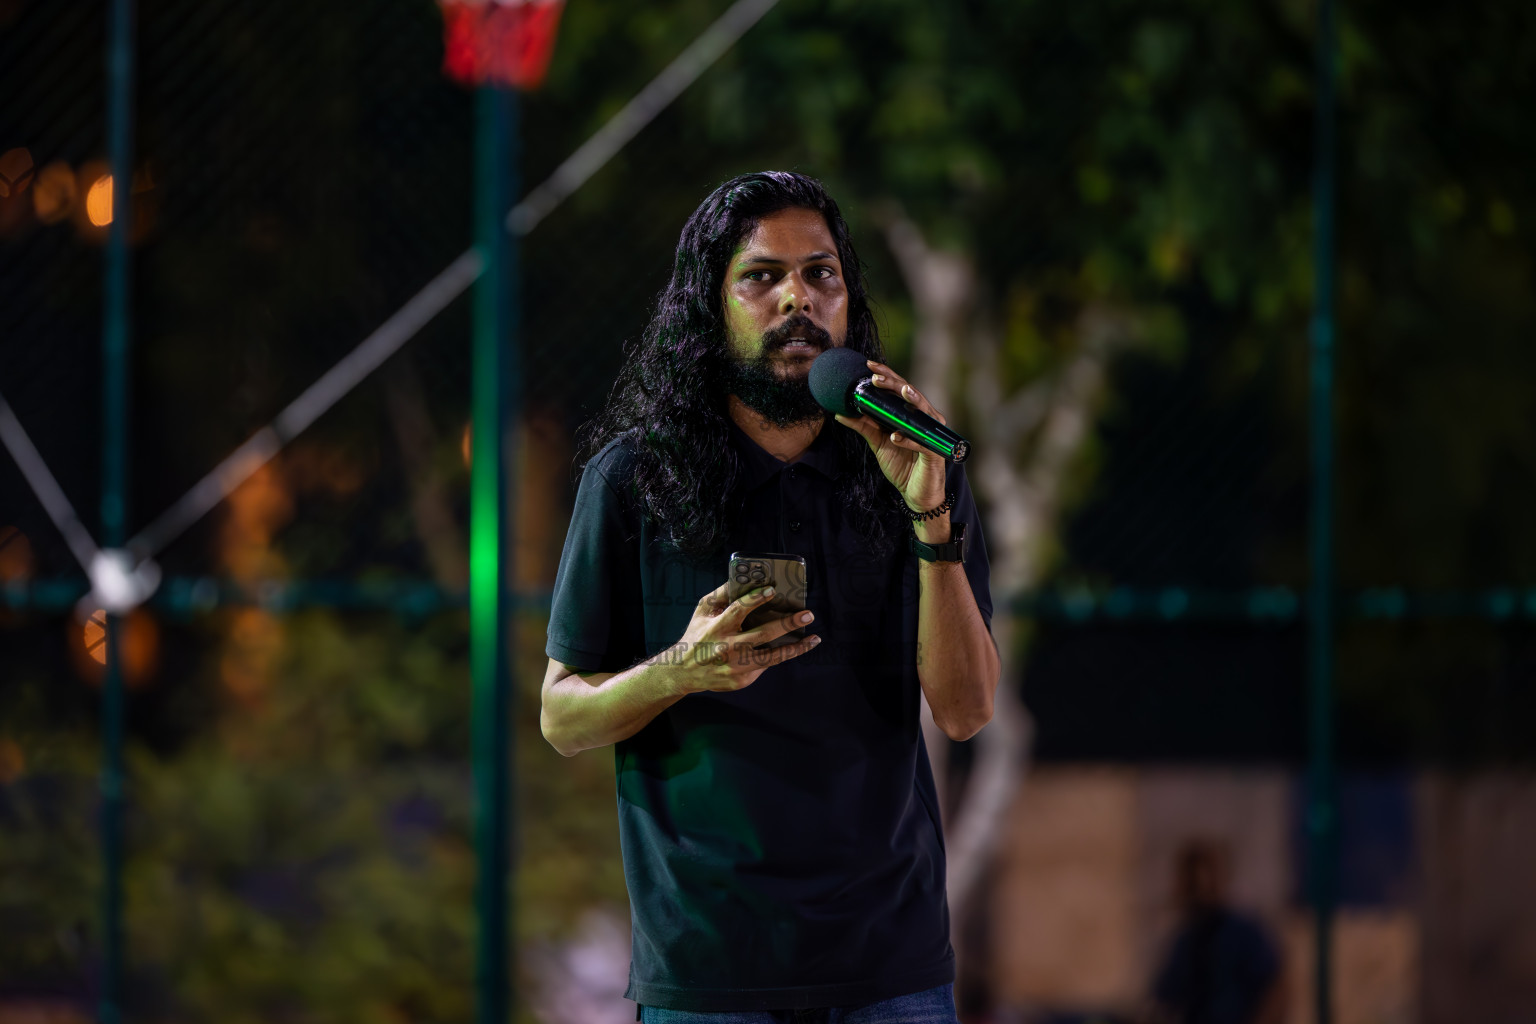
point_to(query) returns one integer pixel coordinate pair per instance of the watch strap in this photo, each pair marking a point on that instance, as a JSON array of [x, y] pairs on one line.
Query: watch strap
[[952, 550]]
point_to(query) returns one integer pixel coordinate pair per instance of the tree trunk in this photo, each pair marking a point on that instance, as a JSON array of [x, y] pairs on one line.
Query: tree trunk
[[1022, 486]]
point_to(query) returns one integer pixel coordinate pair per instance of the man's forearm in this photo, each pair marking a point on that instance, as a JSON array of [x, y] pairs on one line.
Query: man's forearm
[[958, 663], [593, 710]]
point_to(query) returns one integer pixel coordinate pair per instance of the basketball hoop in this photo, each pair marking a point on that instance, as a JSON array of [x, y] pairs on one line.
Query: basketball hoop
[[499, 42]]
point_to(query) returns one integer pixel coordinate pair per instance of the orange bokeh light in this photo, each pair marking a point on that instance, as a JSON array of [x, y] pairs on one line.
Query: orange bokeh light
[[15, 554], [13, 762], [251, 652], [54, 193], [98, 201], [15, 172], [138, 634]]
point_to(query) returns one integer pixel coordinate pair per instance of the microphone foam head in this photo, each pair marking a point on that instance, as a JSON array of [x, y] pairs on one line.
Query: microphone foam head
[[833, 376]]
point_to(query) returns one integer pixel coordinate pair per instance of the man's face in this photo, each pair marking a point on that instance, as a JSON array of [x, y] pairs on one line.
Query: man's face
[[1202, 879], [785, 303]]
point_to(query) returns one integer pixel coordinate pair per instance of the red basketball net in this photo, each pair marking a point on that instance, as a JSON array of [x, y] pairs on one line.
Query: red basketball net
[[499, 42]]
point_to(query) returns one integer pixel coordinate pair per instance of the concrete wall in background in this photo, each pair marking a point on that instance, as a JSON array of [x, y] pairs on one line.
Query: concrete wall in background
[[1477, 835], [1438, 885]]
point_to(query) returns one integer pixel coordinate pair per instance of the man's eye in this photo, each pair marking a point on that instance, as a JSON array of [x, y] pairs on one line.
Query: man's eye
[[823, 272], [757, 275]]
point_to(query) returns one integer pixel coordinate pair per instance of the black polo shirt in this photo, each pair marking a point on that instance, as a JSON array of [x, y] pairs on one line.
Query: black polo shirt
[[782, 845]]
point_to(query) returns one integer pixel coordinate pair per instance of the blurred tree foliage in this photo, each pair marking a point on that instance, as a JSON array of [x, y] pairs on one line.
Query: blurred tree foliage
[[1160, 154], [308, 856]]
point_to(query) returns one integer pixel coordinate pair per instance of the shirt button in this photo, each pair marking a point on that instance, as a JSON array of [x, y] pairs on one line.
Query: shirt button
[[794, 526]]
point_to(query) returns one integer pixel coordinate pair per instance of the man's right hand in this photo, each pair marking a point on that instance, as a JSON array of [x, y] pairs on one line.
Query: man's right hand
[[715, 655]]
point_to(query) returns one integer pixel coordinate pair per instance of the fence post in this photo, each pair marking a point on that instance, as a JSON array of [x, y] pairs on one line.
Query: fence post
[[1322, 808], [116, 331], [491, 623]]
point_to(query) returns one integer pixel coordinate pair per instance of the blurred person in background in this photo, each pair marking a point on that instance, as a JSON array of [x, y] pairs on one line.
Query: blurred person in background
[[777, 813], [1222, 966]]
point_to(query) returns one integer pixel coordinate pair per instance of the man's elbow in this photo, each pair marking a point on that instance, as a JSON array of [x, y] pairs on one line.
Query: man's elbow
[[554, 737], [966, 722], [962, 727]]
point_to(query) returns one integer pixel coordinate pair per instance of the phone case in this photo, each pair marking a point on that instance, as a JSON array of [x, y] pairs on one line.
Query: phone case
[[786, 574]]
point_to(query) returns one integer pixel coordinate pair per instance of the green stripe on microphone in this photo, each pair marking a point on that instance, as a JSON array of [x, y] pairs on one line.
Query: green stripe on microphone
[[945, 446]]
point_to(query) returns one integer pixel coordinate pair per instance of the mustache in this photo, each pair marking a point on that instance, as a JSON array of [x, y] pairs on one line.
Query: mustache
[[797, 326]]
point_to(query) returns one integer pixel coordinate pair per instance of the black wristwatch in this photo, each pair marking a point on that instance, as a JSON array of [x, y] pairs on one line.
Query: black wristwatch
[[952, 550]]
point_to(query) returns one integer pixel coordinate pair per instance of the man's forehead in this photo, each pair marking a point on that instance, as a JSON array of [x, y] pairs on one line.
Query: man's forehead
[[794, 233]]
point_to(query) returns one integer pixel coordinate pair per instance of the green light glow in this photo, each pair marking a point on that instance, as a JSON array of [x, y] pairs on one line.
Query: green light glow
[[484, 527], [490, 621]]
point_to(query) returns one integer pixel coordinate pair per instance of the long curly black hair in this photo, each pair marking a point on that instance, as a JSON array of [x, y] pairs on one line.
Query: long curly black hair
[[670, 395]]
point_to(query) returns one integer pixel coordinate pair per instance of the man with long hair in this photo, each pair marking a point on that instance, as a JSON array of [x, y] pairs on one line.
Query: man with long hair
[[777, 815]]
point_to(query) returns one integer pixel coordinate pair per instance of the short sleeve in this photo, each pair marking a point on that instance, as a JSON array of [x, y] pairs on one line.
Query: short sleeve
[[976, 568], [597, 586]]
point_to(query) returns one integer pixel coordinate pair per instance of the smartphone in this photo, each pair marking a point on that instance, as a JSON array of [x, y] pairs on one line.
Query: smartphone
[[785, 574]]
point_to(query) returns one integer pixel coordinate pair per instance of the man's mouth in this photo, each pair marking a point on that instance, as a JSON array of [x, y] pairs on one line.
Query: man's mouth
[[797, 336]]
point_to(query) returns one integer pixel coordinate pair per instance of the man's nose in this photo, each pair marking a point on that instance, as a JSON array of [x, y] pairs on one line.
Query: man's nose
[[793, 295]]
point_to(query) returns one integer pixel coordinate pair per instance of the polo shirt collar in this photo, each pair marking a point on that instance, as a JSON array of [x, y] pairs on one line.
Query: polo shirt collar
[[758, 466]]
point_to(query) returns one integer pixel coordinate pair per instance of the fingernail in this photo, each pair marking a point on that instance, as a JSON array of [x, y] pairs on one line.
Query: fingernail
[[878, 379], [815, 640], [767, 591], [807, 617]]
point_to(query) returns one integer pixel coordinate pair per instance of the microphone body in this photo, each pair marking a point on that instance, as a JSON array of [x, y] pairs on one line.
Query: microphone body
[[841, 383]]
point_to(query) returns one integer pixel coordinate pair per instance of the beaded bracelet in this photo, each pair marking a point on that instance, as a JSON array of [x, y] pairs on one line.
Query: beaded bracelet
[[918, 517]]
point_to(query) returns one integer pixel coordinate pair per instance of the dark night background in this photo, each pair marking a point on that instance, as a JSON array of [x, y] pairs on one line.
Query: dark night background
[[303, 169]]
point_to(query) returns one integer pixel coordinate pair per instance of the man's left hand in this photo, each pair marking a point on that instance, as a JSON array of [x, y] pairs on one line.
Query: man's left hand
[[914, 471]]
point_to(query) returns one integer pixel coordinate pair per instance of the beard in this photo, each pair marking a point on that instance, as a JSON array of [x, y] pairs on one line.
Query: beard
[[782, 398]]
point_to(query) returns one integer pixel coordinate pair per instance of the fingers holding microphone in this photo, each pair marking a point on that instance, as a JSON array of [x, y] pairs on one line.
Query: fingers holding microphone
[[885, 377]]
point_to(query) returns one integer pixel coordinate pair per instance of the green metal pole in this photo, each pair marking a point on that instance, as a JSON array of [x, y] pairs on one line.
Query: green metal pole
[[491, 625], [114, 486], [1322, 807]]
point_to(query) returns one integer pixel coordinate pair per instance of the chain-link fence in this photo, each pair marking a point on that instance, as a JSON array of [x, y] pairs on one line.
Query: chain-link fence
[[1087, 230]]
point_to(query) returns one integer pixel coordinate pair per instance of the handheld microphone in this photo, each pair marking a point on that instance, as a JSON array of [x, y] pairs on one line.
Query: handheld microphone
[[839, 381]]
